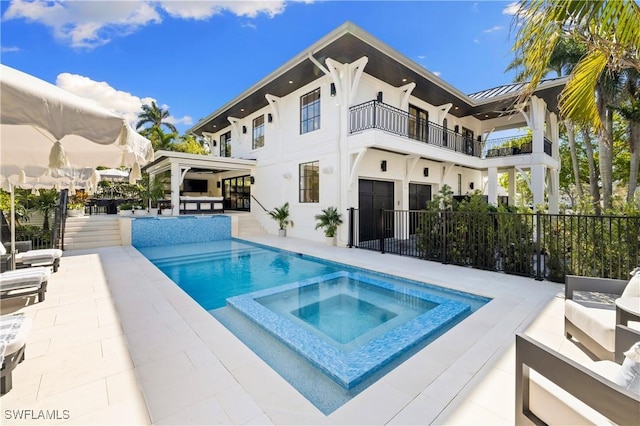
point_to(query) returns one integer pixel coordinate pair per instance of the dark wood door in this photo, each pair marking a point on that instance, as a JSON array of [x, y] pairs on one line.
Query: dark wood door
[[374, 195]]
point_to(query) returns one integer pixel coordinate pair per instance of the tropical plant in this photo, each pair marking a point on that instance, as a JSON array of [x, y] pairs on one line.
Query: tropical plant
[[45, 201], [328, 221], [608, 29], [155, 116], [281, 215], [151, 190]]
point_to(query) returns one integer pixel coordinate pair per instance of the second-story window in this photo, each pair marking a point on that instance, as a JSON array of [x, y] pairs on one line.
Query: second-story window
[[225, 144], [310, 182], [258, 132], [310, 112]]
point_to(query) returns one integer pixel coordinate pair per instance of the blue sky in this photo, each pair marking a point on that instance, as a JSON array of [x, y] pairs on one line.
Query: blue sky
[[194, 56]]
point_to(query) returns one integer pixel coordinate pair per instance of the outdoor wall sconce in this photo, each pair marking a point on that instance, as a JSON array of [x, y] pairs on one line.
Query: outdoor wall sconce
[[218, 184], [252, 180], [244, 129], [214, 142], [269, 118], [471, 185], [379, 98], [425, 172], [383, 165], [333, 89]]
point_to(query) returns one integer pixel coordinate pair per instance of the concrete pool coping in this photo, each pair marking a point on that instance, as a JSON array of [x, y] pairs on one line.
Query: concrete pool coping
[[142, 351]]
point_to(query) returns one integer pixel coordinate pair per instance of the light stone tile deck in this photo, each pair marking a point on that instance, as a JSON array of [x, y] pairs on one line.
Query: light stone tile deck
[[116, 342]]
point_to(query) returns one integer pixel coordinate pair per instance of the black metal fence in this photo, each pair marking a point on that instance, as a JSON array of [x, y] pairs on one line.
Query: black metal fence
[[543, 246]]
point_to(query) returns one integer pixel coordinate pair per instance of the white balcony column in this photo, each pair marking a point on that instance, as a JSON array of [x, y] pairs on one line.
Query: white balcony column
[[554, 135], [537, 115], [553, 190], [537, 184], [512, 186], [176, 180], [492, 186]]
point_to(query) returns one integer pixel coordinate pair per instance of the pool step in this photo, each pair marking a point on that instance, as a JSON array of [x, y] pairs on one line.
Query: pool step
[[204, 257]]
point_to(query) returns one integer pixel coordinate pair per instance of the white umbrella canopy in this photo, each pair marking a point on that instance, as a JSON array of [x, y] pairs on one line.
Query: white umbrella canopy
[[40, 121], [44, 126]]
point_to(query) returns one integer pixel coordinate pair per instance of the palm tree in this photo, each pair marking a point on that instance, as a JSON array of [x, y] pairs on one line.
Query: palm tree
[[609, 30], [630, 111], [156, 116], [159, 139], [44, 202]]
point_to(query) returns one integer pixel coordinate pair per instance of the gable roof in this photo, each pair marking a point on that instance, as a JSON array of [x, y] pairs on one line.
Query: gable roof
[[348, 43]]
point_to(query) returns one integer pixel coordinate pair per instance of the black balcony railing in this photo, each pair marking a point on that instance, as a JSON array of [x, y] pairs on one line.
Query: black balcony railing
[[378, 115], [542, 246]]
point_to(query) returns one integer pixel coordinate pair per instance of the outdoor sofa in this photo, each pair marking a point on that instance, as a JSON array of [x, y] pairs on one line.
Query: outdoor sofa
[[201, 204], [14, 330], [555, 390], [590, 311]]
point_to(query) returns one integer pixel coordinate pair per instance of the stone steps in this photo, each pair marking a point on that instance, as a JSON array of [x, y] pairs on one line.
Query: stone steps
[[86, 232]]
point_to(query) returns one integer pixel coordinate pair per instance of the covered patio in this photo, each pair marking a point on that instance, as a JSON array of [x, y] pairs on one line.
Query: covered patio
[[195, 183]]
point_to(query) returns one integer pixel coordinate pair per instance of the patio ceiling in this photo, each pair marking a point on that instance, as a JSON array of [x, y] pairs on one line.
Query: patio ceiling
[[349, 43]]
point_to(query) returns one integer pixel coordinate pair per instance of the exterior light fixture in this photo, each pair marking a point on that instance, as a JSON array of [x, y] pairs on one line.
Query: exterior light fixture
[[471, 185], [333, 89], [244, 129], [383, 165], [252, 180], [269, 117], [425, 172]]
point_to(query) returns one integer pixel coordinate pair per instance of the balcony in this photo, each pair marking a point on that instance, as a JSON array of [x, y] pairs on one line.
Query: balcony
[[378, 115]]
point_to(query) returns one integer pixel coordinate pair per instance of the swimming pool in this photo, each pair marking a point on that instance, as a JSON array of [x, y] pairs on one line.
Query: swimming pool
[[328, 328]]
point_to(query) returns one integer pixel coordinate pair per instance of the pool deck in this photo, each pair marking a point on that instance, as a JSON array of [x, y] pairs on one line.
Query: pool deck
[[116, 342]]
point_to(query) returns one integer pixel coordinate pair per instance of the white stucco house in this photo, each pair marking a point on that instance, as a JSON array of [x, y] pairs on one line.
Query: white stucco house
[[350, 122]]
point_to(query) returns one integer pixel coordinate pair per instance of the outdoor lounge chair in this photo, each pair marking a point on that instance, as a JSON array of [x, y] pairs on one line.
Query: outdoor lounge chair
[[25, 256], [553, 389], [590, 311], [24, 282], [13, 341]]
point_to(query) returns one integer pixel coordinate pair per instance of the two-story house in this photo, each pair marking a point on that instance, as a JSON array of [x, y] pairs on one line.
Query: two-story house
[[350, 122]]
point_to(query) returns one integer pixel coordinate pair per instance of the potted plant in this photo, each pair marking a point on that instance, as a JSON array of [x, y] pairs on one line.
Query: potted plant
[[281, 215], [75, 209], [151, 191], [125, 209], [328, 221]]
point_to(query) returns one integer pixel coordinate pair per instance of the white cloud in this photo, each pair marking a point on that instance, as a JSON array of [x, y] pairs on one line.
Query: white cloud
[[511, 9], [85, 24], [101, 93], [207, 9], [493, 29], [6, 49], [91, 23]]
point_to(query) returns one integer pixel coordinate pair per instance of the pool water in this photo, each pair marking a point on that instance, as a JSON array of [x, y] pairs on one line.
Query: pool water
[[328, 328]]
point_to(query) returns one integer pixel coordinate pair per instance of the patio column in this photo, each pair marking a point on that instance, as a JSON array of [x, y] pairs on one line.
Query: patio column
[[492, 185], [176, 176]]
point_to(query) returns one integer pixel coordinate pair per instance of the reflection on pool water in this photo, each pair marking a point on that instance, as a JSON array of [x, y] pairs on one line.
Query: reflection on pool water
[[328, 328]]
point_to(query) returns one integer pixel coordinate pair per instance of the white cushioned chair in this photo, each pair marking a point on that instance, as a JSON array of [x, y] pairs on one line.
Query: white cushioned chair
[[554, 390], [24, 282], [590, 312], [14, 330], [27, 257]]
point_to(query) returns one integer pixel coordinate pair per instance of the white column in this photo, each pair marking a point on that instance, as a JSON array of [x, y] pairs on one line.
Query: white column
[[536, 123], [492, 185], [537, 184], [512, 186], [553, 191], [176, 176]]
